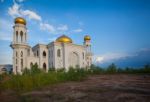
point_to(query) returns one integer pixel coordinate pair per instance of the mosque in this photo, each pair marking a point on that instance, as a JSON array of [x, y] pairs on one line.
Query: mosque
[[61, 53]]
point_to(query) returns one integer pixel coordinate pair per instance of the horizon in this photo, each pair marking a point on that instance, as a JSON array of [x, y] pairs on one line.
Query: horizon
[[119, 30]]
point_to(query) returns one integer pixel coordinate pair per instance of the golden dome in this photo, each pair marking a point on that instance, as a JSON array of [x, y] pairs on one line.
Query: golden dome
[[64, 39], [20, 20], [87, 38]]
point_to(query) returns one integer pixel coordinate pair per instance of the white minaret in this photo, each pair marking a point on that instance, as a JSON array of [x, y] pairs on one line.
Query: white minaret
[[87, 44], [19, 45]]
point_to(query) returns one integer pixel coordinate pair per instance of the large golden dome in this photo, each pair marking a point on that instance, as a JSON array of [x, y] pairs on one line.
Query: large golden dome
[[20, 20], [64, 39], [87, 37]]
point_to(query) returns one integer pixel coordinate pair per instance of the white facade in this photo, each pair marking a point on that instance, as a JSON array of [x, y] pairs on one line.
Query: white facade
[[56, 54]]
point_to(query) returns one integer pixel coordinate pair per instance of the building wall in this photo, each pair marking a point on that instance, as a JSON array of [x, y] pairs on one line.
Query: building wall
[[31, 61], [43, 58], [66, 49], [77, 49]]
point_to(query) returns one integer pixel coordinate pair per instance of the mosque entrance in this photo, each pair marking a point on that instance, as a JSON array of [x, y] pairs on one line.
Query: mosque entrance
[[44, 66], [73, 59]]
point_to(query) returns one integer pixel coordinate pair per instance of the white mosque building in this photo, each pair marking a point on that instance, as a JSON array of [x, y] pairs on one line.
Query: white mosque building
[[61, 53]]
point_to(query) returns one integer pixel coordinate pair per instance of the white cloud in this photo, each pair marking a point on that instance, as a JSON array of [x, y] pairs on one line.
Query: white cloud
[[109, 56], [53, 29], [31, 14], [99, 59], [17, 10], [48, 27], [77, 30], [14, 10], [62, 28]]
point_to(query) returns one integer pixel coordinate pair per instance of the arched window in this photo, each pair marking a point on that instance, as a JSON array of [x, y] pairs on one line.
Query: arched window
[[25, 37], [21, 35], [16, 61], [58, 53], [31, 64], [83, 55], [44, 54], [21, 54], [16, 54], [22, 64], [17, 36], [44, 66]]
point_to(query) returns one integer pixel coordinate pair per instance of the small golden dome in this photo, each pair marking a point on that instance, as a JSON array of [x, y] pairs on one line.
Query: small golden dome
[[64, 39], [20, 20], [87, 38]]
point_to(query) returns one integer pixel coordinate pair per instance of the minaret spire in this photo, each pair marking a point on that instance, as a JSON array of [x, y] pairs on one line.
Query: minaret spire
[[87, 44], [19, 45]]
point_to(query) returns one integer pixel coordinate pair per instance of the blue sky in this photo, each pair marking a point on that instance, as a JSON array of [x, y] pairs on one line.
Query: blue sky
[[119, 28]]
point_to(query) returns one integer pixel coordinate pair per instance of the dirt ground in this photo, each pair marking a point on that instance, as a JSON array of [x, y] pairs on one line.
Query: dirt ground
[[97, 88]]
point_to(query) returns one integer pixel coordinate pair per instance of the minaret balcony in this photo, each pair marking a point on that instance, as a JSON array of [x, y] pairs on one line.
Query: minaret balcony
[[13, 44]]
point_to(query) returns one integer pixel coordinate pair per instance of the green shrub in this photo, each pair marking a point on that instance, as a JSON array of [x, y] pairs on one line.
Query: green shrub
[[35, 78]]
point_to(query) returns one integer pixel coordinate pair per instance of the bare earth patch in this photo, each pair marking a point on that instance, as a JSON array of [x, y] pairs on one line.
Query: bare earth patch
[[96, 88]]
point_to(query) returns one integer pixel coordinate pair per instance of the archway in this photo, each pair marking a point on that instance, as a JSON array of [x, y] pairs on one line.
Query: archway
[[31, 64], [21, 54], [58, 53], [73, 59], [44, 54], [17, 36], [44, 66], [21, 36]]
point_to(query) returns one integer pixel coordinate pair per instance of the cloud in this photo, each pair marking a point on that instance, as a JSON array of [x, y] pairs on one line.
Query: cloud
[[77, 30], [53, 29], [48, 27], [99, 59], [62, 28], [109, 57], [31, 14], [16, 10], [136, 59]]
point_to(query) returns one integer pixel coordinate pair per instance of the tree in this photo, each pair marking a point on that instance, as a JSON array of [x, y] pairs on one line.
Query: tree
[[112, 68]]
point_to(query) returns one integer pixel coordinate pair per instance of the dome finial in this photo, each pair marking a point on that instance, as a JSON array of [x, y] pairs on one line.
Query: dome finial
[[20, 20], [87, 37], [64, 39]]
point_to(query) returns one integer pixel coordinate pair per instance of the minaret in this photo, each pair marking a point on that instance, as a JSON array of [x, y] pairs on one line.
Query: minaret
[[19, 45], [87, 44]]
